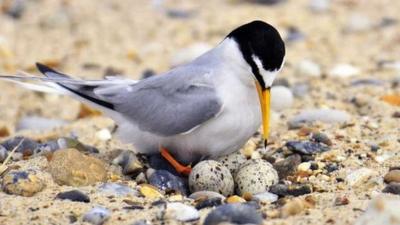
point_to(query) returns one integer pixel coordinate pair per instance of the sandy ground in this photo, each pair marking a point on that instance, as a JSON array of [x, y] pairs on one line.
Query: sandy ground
[[84, 38]]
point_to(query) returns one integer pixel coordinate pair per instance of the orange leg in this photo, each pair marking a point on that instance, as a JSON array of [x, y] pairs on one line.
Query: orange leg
[[178, 167]]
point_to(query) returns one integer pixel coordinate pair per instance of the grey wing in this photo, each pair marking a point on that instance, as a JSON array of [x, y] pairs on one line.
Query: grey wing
[[168, 105]]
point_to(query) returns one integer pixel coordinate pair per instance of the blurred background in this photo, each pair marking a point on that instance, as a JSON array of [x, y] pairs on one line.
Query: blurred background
[[94, 38]]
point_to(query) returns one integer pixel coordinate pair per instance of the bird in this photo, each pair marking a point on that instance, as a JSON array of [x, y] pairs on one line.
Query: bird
[[204, 109]]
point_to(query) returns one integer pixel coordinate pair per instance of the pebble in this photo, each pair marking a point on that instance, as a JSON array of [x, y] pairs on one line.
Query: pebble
[[148, 73], [210, 175], [300, 89], [255, 176], [344, 71], [268, 2], [308, 68], [294, 34], [321, 138], [14, 8], [189, 53], [266, 197], [74, 195], [64, 143], [181, 212], [24, 183], [364, 82], [129, 162], [233, 161], [37, 123], [294, 207], [319, 6], [306, 147], [206, 195], [27, 146], [381, 210], [103, 134], [3, 153], [166, 181], [150, 191], [322, 115], [282, 98], [237, 213], [235, 199], [356, 177], [70, 167], [393, 188], [211, 202], [287, 166], [358, 23], [117, 189], [392, 176], [157, 162], [294, 190], [97, 215]]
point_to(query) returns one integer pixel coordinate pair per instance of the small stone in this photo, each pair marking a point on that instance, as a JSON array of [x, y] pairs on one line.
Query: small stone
[[117, 189], [14, 8], [392, 176], [358, 23], [150, 191], [266, 197], [237, 213], [67, 142], [391, 99], [295, 189], [300, 89], [25, 145], [211, 202], [341, 200], [294, 207], [344, 71], [393, 188], [396, 114], [38, 123], [381, 210], [166, 181], [306, 147], [103, 134], [97, 215], [255, 176], [211, 175], [158, 162], [129, 162], [285, 99], [268, 2], [356, 177], [287, 166], [70, 167], [294, 34], [235, 199], [321, 138], [304, 167], [363, 82], [181, 212], [74, 195], [3, 153], [320, 6], [148, 73], [322, 115], [206, 195], [233, 161], [188, 54], [24, 183], [308, 68]]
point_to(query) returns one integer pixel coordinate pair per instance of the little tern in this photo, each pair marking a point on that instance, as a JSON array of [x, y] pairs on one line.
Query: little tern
[[204, 109]]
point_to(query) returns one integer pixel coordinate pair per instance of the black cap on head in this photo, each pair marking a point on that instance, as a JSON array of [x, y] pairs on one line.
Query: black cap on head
[[261, 40]]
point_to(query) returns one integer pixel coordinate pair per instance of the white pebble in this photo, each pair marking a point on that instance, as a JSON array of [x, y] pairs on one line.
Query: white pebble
[[182, 212], [281, 98], [358, 23], [103, 134], [266, 197], [308, 68], [320, 5], [381, 210], [355, 177], [97, 216], [344, 70], [188, 54]]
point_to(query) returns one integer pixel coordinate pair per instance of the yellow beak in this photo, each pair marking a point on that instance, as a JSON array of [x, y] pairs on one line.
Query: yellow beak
[[265, 102]]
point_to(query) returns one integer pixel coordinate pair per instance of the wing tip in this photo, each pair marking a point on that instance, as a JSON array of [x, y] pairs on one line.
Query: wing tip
[[44, 69]]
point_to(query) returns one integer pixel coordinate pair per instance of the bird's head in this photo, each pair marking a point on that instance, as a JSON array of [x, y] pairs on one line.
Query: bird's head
[[263, 50]]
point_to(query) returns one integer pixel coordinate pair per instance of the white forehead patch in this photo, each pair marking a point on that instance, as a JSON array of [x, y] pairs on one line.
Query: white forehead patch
[[268, 76]]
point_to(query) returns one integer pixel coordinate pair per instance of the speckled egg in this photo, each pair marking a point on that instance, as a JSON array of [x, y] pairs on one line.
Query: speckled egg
[[255, 176], [211, 175], [233, 161]]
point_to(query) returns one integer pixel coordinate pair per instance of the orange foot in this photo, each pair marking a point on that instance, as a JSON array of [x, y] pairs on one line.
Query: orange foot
[[178, 167]]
